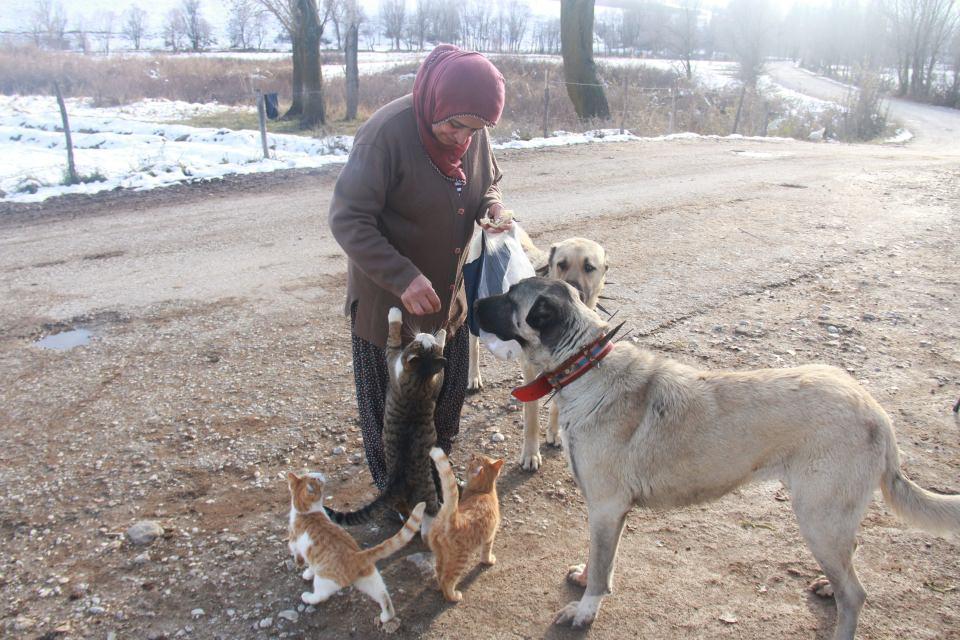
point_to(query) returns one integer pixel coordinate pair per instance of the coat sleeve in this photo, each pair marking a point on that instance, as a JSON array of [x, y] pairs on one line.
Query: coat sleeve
[[492, 195], [359, 198]]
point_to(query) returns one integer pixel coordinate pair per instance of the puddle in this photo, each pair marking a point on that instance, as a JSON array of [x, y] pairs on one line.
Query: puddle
[[65, 340]]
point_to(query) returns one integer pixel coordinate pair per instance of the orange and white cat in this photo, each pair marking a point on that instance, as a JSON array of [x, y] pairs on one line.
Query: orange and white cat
[[334, 559], [464, 523]]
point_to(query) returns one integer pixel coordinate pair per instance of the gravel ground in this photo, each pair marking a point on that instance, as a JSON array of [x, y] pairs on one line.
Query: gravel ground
[[219, 359]]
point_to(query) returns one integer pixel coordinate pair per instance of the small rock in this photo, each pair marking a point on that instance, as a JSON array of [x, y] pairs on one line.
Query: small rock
[[197, 613], [832, 329], [339, 451], [111, 635], [869, 317], [231, 612], [497, 437], [143, 558], [289, 614], [144, 532], [95, 610], [23, 623], [266, 622], [728, 618]]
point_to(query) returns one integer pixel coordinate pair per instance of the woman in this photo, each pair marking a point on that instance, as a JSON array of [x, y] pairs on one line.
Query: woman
[[420, 175]]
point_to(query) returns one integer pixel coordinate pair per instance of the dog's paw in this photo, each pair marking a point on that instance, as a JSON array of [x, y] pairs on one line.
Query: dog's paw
[[577, 575], [821, 587], [474, 385], [553, 439], [530, 460], [577, 614]]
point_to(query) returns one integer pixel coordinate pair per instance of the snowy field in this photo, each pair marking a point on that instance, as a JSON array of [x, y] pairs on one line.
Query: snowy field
[[135, 147]]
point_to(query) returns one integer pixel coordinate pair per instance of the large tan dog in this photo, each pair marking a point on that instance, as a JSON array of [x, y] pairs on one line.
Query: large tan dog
[[642, 430], [581, 263]]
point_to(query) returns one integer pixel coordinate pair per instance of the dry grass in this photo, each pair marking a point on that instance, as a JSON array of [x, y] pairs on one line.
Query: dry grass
[[648, 110]]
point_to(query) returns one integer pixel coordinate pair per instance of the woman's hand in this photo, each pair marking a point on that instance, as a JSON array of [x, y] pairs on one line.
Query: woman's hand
[[420, 299], [495, 221]]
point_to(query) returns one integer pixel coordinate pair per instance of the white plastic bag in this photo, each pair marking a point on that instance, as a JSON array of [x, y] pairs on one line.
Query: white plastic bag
[[504, 264]]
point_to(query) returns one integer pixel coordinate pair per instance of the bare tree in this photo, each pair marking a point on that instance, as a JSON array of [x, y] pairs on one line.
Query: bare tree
[[683, 29], [392, 17], [48, 24], [105, 32], [421, 20], [198, 31], [309, 33], [335, 12], [174, 30], [134, 25], [576, 42], [82, 36], [353, 16], [518, 13], [241, 23]]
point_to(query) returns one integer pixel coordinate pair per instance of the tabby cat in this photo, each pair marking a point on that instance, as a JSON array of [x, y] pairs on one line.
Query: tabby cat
[[333, 558], [415, 377], [466, 523]]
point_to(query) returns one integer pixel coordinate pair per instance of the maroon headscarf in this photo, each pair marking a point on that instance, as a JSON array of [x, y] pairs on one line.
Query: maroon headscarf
[[450, 83]]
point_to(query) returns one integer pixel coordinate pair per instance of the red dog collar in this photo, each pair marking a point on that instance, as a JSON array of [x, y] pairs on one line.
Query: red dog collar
[[570, 370]]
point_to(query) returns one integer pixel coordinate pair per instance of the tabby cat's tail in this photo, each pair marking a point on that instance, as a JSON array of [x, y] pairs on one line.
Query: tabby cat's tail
[[448, 483], [362, 515], [400, 539]]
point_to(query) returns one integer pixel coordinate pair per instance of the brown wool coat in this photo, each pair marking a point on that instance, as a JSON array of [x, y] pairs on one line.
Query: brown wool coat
[[395, 217]]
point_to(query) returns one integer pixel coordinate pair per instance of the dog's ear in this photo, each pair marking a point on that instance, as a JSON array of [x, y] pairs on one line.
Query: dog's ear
[[544, 270]]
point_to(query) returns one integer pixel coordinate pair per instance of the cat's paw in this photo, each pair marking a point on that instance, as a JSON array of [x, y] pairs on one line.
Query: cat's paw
[[394, 315], [390, 626], [437, 454], [307, 574], [577, 575], [453, 596], [530, 460], [310, 597], [490, 560]]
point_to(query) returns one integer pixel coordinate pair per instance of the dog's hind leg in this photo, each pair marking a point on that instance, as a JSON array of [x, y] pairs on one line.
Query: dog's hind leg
[[606, 521], [474, 380], [553, 427], [530, 455], [829, 521]]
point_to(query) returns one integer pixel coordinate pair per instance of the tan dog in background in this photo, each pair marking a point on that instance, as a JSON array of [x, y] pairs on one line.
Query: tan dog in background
[[580, 262], [640, 429]]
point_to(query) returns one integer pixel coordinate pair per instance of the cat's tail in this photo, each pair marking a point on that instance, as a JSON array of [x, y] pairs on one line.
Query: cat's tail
[[448, 483], [362, 515], [400, 538]]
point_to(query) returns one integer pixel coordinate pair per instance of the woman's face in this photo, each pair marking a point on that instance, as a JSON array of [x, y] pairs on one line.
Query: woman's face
[[456, 131]]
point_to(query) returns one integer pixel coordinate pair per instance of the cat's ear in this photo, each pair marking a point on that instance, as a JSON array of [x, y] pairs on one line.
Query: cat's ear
[[292, 478], [441, 337], [496, 465]]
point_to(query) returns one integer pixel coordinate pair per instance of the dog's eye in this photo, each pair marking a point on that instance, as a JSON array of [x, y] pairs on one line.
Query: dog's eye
[[589, 268], [562, 265]]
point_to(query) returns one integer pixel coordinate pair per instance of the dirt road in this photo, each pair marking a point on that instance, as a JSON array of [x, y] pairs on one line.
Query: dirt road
[[219, 360]]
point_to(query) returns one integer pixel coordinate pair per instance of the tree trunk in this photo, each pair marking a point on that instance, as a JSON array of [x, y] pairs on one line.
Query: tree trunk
[[352, 70], [311, 31], [579, 70], [296, 107]]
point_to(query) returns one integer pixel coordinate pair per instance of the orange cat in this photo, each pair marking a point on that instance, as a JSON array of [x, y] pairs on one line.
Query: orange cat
[[464, 523], [333, 558]]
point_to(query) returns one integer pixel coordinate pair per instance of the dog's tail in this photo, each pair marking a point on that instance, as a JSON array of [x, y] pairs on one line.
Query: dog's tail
[[915, 505]]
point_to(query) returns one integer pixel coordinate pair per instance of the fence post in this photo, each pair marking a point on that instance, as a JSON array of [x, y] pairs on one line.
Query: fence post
[[546, 102], [673, 106], [71, 167], [262, 116], [626, 93]]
